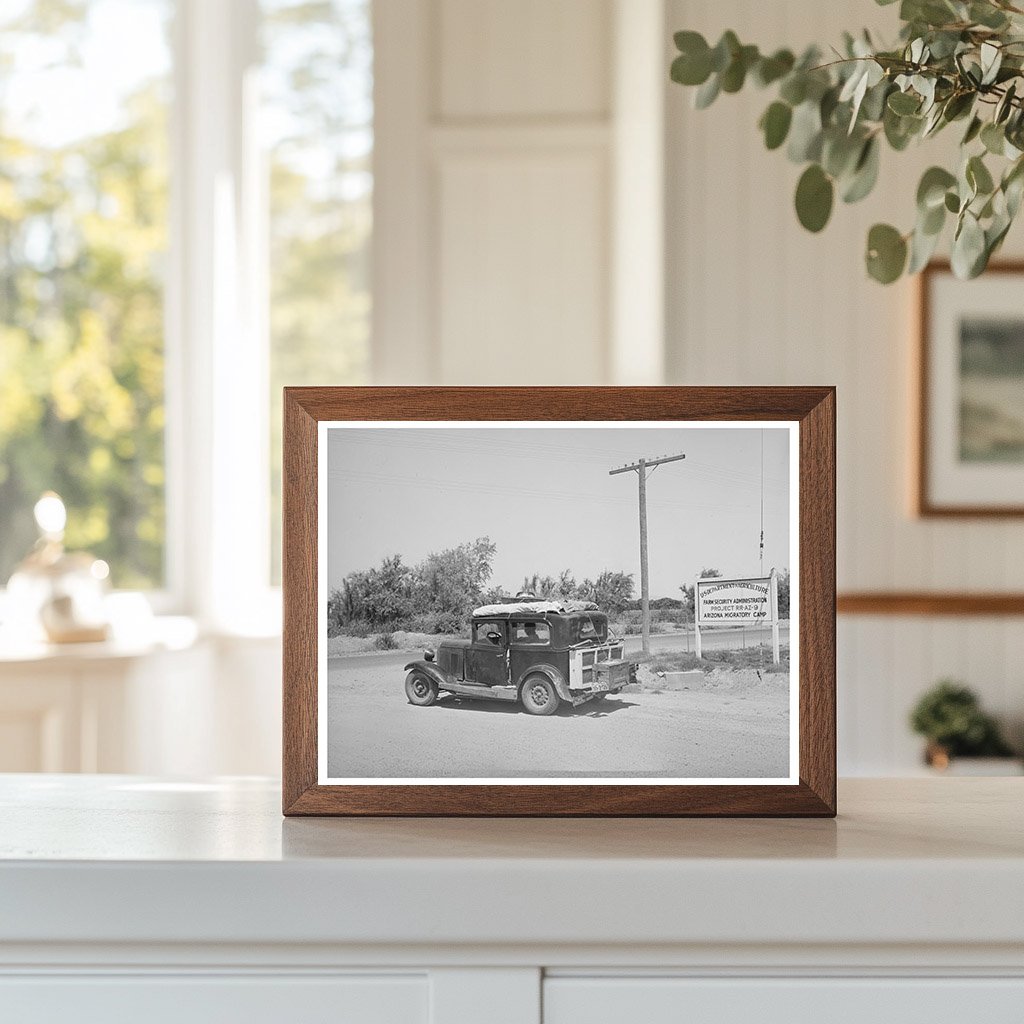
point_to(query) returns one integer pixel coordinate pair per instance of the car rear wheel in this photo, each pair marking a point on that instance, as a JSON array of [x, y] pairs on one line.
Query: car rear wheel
[[420, 689], [539, 696]]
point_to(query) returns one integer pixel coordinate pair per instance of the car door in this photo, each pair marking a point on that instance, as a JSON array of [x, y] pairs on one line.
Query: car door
[[487, 658]]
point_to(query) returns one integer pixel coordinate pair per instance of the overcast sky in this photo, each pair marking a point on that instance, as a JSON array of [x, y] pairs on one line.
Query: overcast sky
[[544, 496]]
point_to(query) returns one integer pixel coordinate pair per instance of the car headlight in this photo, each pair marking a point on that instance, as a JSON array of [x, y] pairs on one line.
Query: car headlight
[[428, 654]]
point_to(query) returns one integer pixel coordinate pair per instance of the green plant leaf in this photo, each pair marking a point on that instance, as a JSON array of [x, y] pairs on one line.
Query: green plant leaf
[[931, 191], [693, 65], [771, 69], [900, 130], [725, 49], [973, 130], [814, 195], [1005, 105], [805, 133], [904, 103], [886, 254], [993, 138], [922, 247], [794, 89], [839, 151], [952, 202], [775, 124], [865, 173], [958, 106], [707, 93], [968, 255], [987, 15], [735, 74], [991, 61], [978, 176]]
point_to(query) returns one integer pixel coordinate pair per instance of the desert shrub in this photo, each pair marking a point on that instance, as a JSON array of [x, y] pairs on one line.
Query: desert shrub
[[385, 642], [360, 628]]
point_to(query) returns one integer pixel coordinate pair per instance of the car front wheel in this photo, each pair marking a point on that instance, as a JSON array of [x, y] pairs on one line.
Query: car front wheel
[[540, 696], [420, 689]]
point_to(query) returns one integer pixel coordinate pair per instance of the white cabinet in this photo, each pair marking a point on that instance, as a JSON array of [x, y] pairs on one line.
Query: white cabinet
[[126, 899], [823, 1000], [359, 999]]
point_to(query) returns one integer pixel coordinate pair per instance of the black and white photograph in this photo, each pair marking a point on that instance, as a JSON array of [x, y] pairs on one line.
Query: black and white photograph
[[535, 603]]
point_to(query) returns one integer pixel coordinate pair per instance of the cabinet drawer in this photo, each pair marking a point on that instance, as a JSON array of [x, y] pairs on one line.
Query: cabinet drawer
[[202, 999], [675, 1000]]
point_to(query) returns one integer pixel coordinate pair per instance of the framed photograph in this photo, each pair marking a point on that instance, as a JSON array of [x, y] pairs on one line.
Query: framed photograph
[[970, 451], [559, 601]]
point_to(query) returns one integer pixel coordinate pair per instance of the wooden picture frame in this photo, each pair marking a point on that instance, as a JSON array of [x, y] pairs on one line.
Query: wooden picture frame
[[940, 489], [809, 415]]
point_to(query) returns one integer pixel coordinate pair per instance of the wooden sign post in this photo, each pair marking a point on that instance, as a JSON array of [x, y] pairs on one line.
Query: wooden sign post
[[720, 602]]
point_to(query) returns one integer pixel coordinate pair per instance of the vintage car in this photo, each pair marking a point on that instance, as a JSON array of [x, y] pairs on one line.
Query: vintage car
[[541, 653]]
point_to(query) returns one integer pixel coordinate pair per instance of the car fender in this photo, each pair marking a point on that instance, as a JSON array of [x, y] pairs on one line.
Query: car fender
[[431, 670], [552, 673]]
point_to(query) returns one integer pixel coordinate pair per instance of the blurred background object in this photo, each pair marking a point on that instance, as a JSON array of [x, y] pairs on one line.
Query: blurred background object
[[53, 593]]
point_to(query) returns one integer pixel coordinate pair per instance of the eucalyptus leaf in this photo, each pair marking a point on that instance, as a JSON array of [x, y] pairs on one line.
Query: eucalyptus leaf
[[904, 103], [968, 248], [886, 253], [931, 190], [735, 74], [1005, 105], [865, 173], [978, 176], [724, 51], [840, 152], [973, 130], [805, 133], [775, 124], [707, 93], [794, 88], [991, 60], [993, 138], [771, 69], [987, 15], [932, 221], [814, 195], [922, 248]]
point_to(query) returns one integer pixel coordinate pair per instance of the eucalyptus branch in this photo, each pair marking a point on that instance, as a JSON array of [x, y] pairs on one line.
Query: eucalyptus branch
[[953, 58]]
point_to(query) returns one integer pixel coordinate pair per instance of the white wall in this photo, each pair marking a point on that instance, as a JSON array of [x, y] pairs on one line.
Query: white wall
[[754, 299], [501, 150]]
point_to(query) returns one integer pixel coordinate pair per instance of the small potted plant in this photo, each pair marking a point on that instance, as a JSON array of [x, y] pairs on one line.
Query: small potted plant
[[950, 718]]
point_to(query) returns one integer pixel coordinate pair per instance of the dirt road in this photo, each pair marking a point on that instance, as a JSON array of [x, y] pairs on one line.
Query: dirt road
[[717, 731]]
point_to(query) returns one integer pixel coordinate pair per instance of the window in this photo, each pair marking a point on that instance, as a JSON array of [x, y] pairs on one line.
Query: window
[[83, 237], [531, 633], [226, 148], [317, 118], [489, 633]]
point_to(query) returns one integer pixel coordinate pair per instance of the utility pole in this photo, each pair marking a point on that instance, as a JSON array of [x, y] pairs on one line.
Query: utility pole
[[643, 468]]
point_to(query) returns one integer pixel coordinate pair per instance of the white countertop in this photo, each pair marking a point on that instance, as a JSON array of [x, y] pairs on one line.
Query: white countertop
[[121, 859]]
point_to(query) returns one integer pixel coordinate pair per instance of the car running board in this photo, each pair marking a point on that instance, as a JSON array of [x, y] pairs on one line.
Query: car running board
[[484, 692]]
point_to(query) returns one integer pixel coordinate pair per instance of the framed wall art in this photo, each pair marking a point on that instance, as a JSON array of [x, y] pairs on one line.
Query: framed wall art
[[970, 445], [489, 601]]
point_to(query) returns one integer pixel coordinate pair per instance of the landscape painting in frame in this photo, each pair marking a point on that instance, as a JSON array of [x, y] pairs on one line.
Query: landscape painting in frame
[[972, 393], [543, 603]]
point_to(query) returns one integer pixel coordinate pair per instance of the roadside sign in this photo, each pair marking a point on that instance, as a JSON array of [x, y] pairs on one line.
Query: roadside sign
[[721, 602]]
